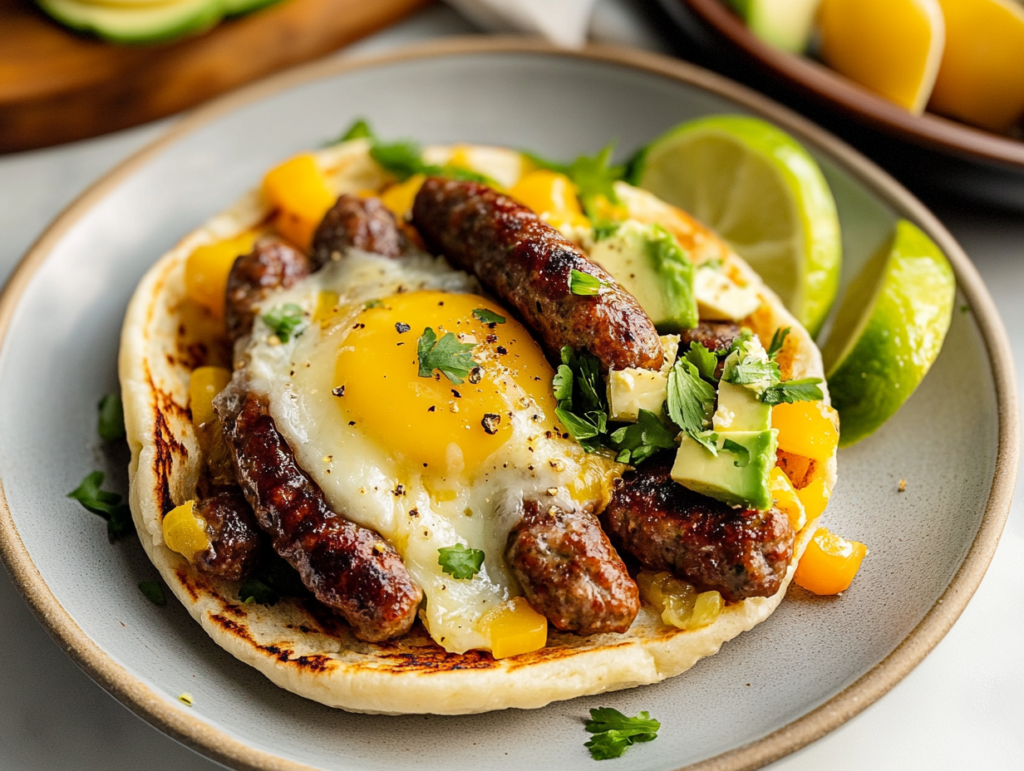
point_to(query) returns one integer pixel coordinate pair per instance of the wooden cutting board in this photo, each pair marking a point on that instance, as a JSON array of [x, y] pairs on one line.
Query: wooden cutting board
[[57, 86]]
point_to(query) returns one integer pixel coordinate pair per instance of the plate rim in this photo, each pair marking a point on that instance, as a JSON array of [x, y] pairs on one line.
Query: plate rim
[[156, 709], [815, 80]]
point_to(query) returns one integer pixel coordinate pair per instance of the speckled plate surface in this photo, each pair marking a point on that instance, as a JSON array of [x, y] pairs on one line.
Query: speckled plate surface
[[810, 667]]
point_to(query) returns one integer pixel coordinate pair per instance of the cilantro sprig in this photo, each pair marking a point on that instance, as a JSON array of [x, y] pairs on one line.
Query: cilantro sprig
[[105, 504], [285, 321], [582, 406], [614, 733], [447, 355], [639, 441], [153, 592], [488, 317], [111, 418], [460, 561], [749, 368], [594, 176]]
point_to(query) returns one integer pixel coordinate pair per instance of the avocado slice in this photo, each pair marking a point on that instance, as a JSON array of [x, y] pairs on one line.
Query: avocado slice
[[651, 265], [739, 409], [785, 24], [737, 475], [149, 23]]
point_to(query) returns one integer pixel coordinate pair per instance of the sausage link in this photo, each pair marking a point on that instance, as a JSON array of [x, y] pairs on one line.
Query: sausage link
[[237, 545], [570, 572], [716, 336], [347, 567], [363, 223], [270, 265], [527, 264], [713, 546]]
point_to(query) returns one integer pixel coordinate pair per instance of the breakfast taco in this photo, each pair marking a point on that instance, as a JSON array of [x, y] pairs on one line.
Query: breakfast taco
[[417, 432]]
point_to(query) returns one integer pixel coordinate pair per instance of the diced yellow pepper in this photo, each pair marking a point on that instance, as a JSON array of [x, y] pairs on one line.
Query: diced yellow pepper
[[299, 190], [706, 610], [814, 497], [399, 197], [205, 384], [786, 498], [829, 563], [515, 628], [207, 268], [795, 466], [552, 196], [806, 428], [185, 531]]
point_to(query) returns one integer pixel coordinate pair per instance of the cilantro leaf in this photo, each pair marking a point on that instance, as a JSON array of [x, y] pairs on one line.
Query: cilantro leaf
[[708, 440], [691, 400], [802, 390], [580, 427], [614, 733], [561, 384], [460, 561], [778, 340], [403, 159], [593, 176], [704, 360], [488, 317], [111, 418], [447, 355], [104, 504], [285, 321], [749, 370], [584, 284], [153, 592], [635, 443], [255, 590], [360, 129], [742, 453]]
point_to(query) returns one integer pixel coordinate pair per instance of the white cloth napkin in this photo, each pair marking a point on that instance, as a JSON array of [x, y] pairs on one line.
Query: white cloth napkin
[[564, 22]]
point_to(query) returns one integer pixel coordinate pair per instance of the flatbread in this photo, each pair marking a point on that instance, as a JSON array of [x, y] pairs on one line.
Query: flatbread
[[304, 647]]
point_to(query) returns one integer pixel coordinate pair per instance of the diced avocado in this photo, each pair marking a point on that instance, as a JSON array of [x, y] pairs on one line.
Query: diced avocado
[[137, 23], [651, 265], [785, 24], [631, 390], [737, 475], [739, 409], [719, 298], [749, 365]]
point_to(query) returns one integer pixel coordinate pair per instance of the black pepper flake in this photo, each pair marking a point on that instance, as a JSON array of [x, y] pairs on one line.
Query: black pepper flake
[[492, 338], [490, 422], [456, 394], [502, 350], [431, 408], [476, 375], [339, 391], [399, 491], [414, 512], [359, 325], [402, 327], [351, 422]]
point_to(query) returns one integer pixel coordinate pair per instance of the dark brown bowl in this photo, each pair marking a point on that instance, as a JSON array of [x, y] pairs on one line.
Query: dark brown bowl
[[930, 152]]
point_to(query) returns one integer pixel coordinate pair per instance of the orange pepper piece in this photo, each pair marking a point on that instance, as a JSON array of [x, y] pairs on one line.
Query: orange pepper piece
[[829, 563]]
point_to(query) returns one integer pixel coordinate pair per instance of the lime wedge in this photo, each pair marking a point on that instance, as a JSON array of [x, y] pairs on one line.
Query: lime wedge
[[889, 329], [763, 193], [785, 24]]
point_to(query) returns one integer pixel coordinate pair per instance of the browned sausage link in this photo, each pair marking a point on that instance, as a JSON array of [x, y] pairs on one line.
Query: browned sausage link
[[527, 264], [270, 265], [347, 567], [716, 336], [713, 546], [363, 223], [237, 545], [570, 572]]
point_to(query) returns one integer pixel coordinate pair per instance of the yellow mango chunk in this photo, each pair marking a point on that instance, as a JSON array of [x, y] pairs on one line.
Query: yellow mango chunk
[[807, 429], [185, 531], [981, 77], [207, 268], [892, 47], [552, 196], [299, 190], [829, 563], [786, 499], [398, 198], [205, 384], [515, 628], [814, 498]]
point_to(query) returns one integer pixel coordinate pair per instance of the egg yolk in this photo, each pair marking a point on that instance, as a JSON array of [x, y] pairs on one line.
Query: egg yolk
[[431, 421]]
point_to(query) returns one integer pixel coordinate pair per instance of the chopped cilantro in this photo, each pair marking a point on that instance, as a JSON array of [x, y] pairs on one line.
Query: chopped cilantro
[[635, 443], [459, 561], [255, 590], [778, 340], [285, 321], [704, 360], [584, 284], [404, 159], [582, 407], [111, 419], [373, 304], [593, 176], [488, 317], [561, 383], [742, 453], [691, 400], [153, 592], [358, 130], [614, 733], [802, 390], [447, 355], [104, 504]]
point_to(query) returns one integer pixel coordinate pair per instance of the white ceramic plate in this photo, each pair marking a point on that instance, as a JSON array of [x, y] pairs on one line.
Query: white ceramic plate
[[811, 666]]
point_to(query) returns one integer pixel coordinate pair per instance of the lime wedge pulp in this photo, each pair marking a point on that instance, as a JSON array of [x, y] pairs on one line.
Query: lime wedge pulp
[[763, 193], [888, 331]]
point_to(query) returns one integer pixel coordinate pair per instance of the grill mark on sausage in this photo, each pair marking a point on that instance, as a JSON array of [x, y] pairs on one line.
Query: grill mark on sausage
[[570, 572], [362, 223], [527, 264], [347, 567], [740, 553]]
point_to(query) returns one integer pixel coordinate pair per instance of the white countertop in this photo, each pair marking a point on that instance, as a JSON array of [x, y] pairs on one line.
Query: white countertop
[[961, 708]]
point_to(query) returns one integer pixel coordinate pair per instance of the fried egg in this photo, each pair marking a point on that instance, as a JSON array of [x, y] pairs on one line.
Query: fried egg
[[426, 462]]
